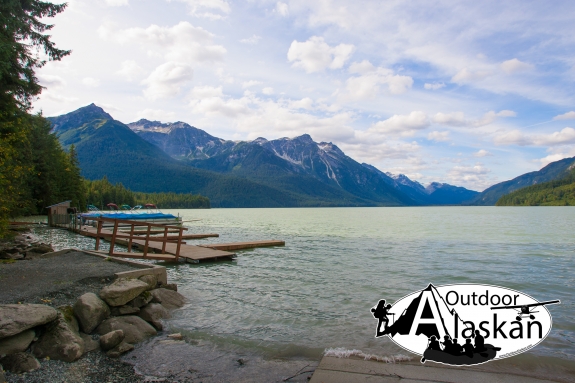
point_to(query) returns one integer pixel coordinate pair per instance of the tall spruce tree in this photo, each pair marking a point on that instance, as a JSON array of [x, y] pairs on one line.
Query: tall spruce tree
[[23, 36]]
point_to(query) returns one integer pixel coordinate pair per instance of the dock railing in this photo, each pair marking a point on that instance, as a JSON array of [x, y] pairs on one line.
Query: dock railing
[[136, 235]]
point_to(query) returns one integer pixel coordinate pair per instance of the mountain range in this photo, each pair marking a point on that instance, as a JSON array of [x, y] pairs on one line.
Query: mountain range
[[151, 156], [299, 164]]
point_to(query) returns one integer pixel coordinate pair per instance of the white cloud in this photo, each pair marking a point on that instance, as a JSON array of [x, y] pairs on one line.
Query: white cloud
[[476, 175], [482, 153], [565, 116], [402, 125], [304, 103], [316, 55], [515, 66], [362, 67], [130, 70], [252, 40], [268, 91], [116, 3], [180, 43], [156, 115], [451, 119], [57, 98], [466, 76], [282, 9], [51, 81], [438, 136], [516, 137], [202, 92], [434, 86], [367, 85], [167, 80], [205, 8], [249, 84], [506, 113], [457, 119], [91, 82]]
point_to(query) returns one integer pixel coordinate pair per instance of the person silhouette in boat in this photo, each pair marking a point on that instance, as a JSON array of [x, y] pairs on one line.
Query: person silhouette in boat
[[479, 342], [457, 348], [434, 344], [447, 344], [380, 313], [468, 348]]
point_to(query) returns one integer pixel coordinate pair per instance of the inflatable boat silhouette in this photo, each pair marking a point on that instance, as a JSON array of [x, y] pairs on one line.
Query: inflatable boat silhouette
[[460, 360]]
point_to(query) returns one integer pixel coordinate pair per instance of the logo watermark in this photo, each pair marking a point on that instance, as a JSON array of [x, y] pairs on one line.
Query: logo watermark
[[464, 324]]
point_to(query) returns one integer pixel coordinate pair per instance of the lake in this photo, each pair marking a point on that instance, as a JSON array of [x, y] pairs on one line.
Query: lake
[[316, 292]]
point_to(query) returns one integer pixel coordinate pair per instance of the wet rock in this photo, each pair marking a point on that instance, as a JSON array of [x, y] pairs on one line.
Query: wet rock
[[20, 363], [17, 343], [170, 286], [151, 280], [90, 311], [112, 339], [176, 336], [59, 341], [122, 291], [15, 319], [41, 248], [135, 328], [152, 313], [89, 343], [124, 310], [11, 254], [141, 300], [168, 298], [120, 349]]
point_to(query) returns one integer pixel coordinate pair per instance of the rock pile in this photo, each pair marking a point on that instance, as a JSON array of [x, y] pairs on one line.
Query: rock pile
[[23, 248], [125, 313]]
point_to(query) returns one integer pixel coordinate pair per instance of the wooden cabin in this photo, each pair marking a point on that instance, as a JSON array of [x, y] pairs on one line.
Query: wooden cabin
[[58, 214]]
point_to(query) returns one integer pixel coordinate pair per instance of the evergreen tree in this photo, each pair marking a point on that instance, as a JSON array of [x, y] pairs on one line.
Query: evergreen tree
[[22, 36]]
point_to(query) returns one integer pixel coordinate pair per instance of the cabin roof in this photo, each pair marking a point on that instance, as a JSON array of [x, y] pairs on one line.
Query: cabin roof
[[59, 203]]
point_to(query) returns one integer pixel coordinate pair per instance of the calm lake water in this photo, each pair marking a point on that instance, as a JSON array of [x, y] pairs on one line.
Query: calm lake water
[[316, 292]]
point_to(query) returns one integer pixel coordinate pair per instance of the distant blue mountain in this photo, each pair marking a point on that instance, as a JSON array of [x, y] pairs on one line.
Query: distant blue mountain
[[298, 164]]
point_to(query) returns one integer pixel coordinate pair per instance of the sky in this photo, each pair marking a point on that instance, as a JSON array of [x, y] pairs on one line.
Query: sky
[[469, 93]]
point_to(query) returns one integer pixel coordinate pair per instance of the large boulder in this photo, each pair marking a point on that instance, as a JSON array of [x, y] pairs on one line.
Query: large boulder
[[124, 310], [122, 291], [59, 341], [151, 280], [112, 339], [135, 328], [152, 313], [20, 363], [15, 319], [89, 343], [90, 311], [120, 349], [141, 300], [168, 298], [16, 343]]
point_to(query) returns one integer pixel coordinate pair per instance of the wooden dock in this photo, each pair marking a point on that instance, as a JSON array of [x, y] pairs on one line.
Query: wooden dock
[[191, 253], [243, 245], [169, 247]]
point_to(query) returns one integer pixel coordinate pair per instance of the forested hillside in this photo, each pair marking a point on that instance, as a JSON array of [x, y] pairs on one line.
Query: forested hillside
[[554, 193], [101, 192]]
